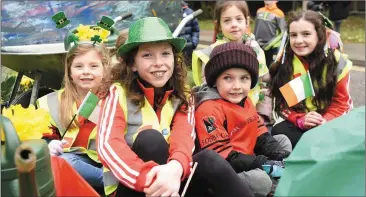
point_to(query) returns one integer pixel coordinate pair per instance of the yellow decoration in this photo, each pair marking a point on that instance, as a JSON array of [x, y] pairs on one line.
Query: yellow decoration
[[86, 32], [26, 81], [29, 123]]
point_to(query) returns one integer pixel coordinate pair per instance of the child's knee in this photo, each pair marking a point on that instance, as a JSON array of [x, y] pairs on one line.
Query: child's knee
[[284, 142], [211, 162], [149, 138], [206, 157], [149, 145], [258, 180]]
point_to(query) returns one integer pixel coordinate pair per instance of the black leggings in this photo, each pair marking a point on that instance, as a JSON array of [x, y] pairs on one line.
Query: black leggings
[[213, 172], [293, 132]]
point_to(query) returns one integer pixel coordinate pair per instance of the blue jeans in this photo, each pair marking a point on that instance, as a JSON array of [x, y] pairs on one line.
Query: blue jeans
[[86, 167]]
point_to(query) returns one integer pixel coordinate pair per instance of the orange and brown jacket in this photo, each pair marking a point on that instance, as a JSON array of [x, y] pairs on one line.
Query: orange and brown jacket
[[269, 26]]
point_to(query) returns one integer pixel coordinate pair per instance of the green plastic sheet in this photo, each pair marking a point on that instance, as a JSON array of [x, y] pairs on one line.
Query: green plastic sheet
[[329, 160]]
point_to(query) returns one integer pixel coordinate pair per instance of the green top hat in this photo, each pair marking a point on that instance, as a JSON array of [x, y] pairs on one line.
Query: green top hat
[[147, 30]]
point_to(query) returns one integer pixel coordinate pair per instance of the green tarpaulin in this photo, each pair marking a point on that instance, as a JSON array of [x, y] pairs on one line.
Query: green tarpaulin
[[329, 160]]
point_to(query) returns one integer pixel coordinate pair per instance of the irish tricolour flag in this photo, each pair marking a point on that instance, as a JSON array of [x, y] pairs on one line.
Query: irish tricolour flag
[[89, 108], [298, 89]]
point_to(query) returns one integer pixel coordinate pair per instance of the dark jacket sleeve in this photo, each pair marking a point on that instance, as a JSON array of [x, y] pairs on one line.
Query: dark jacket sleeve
[[191, 31], [338, 10], [195, 33], [281, 23], [268, 146], [241, 162]]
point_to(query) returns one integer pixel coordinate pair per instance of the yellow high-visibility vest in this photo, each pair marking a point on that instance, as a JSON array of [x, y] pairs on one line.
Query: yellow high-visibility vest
[[138, 120], [51, 103], [343, 67], [200, 59]]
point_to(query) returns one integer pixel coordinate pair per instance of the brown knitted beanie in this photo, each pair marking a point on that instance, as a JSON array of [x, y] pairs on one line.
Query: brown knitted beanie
[[231, 55]]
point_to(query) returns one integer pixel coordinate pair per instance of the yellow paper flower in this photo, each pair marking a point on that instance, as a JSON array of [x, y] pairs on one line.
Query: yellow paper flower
[[83, 32], [26, 81], [86, 32], [29, 123], [104, 34]]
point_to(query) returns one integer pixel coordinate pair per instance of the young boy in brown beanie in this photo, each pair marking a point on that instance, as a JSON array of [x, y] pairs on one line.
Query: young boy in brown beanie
[[227, 122]]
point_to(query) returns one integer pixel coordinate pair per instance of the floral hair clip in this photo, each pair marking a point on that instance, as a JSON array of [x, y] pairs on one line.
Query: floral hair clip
[[333, 40], [85, 33]]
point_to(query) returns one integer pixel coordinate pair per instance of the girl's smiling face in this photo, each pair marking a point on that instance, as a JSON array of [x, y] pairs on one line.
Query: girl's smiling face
[[87, 71], [303, 37], [154, 62]]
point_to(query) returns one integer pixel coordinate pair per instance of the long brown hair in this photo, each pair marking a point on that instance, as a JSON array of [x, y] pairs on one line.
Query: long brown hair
[[221, 6], [318, 62], [69, 96], [128, 79]]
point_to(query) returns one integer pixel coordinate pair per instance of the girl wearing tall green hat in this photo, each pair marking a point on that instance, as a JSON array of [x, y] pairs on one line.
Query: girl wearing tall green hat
[[146, 127]]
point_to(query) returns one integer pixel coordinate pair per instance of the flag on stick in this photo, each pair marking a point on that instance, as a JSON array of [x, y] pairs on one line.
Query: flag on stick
[[298, 89], [189, 179], [89, 108]]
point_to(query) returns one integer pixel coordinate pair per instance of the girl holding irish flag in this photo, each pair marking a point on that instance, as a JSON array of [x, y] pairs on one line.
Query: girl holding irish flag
[[310, 81], [74, 137]]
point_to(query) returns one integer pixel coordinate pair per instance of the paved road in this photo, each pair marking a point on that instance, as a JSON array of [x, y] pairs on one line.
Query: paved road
[[357, 87]]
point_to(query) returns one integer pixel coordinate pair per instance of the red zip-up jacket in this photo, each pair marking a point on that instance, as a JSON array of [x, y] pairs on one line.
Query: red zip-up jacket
[[341, 102], [116, 155], [223, 126]]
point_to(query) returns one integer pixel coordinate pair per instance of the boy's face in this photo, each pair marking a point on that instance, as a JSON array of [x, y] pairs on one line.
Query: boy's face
[[233, 23], [154, 62], [234, 84]]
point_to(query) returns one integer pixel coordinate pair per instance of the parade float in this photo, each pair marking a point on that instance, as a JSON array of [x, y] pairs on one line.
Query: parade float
[[33, 47]]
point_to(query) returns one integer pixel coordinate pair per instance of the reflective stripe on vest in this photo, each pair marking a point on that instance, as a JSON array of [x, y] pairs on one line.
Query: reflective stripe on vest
[[92, 144], [343, 67], [200, 59], [50, 102], [108, 178], [138, 120]]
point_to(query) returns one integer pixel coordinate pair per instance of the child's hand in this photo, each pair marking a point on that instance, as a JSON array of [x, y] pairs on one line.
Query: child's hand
[[167, 182], [312, 119], [55, 147]]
